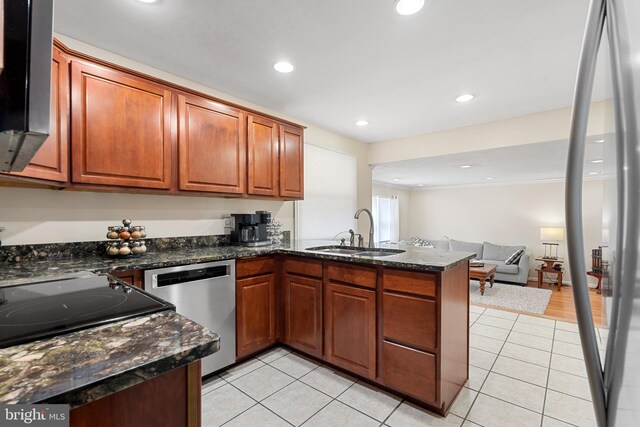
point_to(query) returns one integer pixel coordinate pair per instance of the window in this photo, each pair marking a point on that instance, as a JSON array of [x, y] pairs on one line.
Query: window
[[330, 192], [386, 218]]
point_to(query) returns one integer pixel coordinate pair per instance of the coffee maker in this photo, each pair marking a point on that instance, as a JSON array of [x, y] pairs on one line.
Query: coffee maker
[[250, 229]]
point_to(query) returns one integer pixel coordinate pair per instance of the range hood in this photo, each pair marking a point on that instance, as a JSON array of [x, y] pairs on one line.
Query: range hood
[[26, 28]]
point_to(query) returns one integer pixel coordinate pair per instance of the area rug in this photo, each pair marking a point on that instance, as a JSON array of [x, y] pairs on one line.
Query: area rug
[[512, 297]]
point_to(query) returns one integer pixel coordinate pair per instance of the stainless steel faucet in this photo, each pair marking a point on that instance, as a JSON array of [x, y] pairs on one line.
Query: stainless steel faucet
[[357, 215], [352, 238]]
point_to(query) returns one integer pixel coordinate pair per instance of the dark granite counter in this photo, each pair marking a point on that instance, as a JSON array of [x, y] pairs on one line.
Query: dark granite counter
[[414, 258], [86, 365]]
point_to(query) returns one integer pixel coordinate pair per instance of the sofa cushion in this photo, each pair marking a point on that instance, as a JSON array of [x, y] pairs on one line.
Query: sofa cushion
[[502, 267], [491, 251], [514, 258], [460, 246], [441, 245]]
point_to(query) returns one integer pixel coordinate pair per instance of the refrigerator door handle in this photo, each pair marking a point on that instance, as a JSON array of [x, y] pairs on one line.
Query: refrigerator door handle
[[573, 204], [628, 174]]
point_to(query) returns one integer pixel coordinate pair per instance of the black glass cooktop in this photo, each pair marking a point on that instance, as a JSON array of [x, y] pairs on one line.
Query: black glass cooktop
[[45, 309]]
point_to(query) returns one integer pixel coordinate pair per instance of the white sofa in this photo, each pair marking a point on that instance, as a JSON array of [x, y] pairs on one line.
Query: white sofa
[[491, 254]]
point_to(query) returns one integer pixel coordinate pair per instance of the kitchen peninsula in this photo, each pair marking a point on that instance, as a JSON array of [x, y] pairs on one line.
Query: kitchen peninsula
[[399, 321]]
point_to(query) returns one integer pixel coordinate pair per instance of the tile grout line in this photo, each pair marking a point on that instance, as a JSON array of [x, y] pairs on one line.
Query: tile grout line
[[258, 402], [315, 413], [546, 388], [465, 418], [524, 345], [393, 412], [356, 409]]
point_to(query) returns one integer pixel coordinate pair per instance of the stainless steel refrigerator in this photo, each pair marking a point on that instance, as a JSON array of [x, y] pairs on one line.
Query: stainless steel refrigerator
[[612, 37]]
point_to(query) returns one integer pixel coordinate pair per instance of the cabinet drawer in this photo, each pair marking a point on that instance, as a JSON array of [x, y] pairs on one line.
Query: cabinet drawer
[[409, 320], [353, 274], [303, 266], [409, 371], [412, 282], [254, 267]]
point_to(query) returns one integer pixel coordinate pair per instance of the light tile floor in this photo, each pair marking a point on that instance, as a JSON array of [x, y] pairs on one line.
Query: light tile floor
[[525, 371]]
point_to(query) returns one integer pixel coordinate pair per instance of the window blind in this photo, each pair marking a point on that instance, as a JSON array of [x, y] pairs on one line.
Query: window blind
[[330, 194]]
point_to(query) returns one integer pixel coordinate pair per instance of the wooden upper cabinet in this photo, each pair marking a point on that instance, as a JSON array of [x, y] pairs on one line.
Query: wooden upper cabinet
[[211, 146], [121, 129], [51, 162], [291, 162], [262, 156]]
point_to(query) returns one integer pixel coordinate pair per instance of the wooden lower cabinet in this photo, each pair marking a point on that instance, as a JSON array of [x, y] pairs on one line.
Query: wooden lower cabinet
[[255, 314], [410, 320], [409, 370], [170, 399], [132, 277], [350, 328], [303, 313]]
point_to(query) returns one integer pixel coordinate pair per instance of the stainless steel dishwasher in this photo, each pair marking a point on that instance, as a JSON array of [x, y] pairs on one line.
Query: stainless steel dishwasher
[[206, 294]]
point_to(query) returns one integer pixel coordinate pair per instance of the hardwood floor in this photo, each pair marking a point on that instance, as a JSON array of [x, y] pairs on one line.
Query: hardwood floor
[[561, 305]]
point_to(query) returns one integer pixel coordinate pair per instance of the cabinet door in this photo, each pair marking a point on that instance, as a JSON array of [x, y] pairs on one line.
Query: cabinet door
[[51, 162], [121, 129], [350, 328], [291, 162], [303, 313], [211, 144], [262, 156], [255, 314]]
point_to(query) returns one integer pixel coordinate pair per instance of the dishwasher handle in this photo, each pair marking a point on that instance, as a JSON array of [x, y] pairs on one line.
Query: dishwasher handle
[[192, 275]]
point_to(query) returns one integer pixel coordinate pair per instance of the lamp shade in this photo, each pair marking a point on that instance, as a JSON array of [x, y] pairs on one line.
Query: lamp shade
[[552, 233]]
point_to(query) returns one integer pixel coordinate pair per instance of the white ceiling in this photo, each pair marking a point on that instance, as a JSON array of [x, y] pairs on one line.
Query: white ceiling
[[354, 59], [543, 161]]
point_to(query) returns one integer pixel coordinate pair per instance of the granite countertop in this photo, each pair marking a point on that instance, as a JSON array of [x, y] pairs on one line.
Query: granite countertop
[[415, 258], [86, 365]]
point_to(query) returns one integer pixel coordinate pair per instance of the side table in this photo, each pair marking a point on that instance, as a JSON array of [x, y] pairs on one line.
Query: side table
[[598, 276], [541, 270]]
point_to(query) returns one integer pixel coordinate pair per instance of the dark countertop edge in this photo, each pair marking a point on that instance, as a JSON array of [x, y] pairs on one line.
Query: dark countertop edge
[[283, 251], [131, 377], [382, 261]]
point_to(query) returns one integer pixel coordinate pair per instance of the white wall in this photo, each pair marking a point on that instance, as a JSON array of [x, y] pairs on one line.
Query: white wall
[[404, 204], [544, 126], [48, 216], [504, 214], [43, 216]]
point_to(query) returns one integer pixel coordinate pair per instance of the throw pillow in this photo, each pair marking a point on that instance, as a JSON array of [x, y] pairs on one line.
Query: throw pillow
[[514, 257]]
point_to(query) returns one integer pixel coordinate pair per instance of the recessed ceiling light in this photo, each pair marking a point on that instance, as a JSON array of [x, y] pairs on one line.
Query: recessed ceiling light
[[599, 140], [408, 7], [465, 166], [147, 1], [362, 123], [420, 185], [594, 173], [396, 179], [283, 67], [465, 98], [597, 161], [489, 178]]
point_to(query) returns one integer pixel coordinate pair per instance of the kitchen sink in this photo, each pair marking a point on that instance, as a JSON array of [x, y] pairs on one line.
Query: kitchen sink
[[336, 249], [347, 250], [379, 252]]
